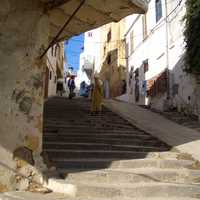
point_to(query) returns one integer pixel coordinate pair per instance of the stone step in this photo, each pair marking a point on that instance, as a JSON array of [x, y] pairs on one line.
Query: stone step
[[100, 135], [92, 164], [114, 141], [16, 195], [105, 158], [99, 146], [86, 124], [118, 190], [87, 129], [92, 131], [137, 175], [62, 153]]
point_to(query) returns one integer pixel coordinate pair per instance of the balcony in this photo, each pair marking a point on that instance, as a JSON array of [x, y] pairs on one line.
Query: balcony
[[88, 65]]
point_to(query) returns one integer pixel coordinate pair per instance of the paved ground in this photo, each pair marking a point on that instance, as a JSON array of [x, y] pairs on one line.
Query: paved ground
[[185, 139], [106, 157], [190, 121], [75, 138]]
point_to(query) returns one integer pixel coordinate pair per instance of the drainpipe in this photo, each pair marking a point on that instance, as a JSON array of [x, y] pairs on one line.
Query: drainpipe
[[167, 52]]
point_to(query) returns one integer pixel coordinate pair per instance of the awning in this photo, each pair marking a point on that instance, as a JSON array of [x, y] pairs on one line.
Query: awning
[[92, 14]]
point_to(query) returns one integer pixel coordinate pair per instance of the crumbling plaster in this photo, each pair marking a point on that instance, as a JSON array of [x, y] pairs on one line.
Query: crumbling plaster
[[24, 32]]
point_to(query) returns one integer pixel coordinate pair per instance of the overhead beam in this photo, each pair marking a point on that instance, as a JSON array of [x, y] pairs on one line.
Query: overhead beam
[[63, 28], [75, 18], [66, 31], [55, 4], [101, 13]]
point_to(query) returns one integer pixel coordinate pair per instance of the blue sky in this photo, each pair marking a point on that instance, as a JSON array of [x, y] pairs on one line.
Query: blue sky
[[73, 48]]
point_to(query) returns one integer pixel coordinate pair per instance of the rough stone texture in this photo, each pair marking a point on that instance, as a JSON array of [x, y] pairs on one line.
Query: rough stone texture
[[3, 188], [24, 154], [32, 196], [23, 184], [23, 34], [32, 142]]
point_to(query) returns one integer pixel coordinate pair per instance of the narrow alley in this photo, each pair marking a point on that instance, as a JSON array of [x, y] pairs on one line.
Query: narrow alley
[[106, 157], [99, 100]]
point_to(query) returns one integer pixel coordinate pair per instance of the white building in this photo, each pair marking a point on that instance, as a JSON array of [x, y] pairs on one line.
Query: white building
[[81, 75], [90, 58], [155, 59]]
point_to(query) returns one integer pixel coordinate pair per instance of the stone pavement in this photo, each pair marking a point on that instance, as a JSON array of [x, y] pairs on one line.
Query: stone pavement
[[184, 139], [32, 196], [188, 120], [105, 157]]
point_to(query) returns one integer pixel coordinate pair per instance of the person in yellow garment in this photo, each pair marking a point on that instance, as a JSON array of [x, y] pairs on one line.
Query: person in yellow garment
[[97, 95]]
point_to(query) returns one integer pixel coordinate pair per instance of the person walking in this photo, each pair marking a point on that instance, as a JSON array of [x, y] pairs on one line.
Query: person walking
[[97, 95], [60, 89], [71, 86]]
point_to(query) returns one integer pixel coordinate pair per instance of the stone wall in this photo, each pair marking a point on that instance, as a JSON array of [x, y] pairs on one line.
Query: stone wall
[[23, 35]]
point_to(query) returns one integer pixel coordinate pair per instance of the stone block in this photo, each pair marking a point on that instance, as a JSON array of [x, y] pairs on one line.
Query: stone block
[[3, 188], [23, 154]]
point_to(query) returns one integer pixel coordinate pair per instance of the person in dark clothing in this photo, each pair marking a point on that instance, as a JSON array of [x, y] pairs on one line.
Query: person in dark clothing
[[84, 91], [71, 86], [60, 88]]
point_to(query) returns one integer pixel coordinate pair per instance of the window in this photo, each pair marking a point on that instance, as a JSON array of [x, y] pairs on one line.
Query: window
[[144, 26], [158, 10], [109, 59], [109, 36], [146, 65], [131, 42], [89, 34]]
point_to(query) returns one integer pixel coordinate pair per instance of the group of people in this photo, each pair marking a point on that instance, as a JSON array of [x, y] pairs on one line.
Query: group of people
[[96, 90]]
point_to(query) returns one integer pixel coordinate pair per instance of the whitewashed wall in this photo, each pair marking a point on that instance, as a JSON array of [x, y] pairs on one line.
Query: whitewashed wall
[[154, 49]]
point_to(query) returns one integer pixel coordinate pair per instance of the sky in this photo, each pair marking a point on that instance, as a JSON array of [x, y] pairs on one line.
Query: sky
[[73, 48]]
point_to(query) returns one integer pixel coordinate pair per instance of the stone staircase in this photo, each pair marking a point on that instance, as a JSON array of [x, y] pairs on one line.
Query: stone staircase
[[106, 158]]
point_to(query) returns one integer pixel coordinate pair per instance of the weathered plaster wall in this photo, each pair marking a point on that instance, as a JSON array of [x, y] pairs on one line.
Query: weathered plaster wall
[[23, 34], [51, 64], [184, 88], [55, 63], [115, 72]]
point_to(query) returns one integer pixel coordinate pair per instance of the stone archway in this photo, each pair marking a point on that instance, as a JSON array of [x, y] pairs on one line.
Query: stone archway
[[26, 28], [24, 33]]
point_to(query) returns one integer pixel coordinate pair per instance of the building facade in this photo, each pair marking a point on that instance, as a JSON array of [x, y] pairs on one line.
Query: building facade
[[113, 62], [155, 59], [54, 69], [90, 57]]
